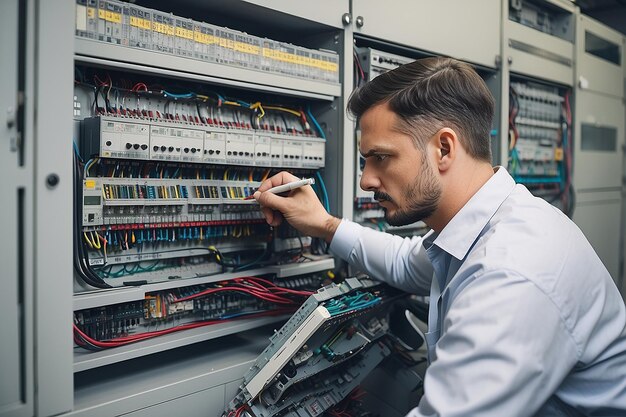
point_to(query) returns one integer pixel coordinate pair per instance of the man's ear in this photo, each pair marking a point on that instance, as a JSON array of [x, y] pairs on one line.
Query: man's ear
[[446, 143]]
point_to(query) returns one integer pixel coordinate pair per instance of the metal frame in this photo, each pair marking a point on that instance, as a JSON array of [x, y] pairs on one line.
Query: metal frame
[[52, 141]]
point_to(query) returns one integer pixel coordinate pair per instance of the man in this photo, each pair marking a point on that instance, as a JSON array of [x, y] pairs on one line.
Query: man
[[524, 319]]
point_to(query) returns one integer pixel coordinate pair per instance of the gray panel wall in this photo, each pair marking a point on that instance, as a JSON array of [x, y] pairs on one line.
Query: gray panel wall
[[16, 302]]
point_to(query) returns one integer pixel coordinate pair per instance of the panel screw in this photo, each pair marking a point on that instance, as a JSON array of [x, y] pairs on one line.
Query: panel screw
[[52, 180]]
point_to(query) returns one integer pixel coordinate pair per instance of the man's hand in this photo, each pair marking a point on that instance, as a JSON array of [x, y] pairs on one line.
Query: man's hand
[[301, 208]]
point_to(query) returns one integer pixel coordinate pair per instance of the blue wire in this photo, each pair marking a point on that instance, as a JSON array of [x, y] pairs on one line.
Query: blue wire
[[324, 193], [317, 125], [187, 95], [76, 151], [86, 167]]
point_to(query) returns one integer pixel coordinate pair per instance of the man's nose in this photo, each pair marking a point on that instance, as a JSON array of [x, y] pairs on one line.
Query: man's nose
[[369, 179]]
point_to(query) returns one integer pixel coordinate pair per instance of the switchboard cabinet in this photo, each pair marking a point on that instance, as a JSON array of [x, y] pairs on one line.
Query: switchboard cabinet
[[466, 30], [257, 54], [599, 139], [198, 370]]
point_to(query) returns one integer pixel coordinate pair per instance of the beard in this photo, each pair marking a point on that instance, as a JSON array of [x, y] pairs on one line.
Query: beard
[[422, 199]]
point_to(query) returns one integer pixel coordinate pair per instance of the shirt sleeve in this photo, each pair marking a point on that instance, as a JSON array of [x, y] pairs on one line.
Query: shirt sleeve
[[401, 262], [505, 349]]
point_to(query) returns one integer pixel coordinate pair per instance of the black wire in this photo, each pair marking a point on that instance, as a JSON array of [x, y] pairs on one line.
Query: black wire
[[95, 99], [282, 116], [81, 262]]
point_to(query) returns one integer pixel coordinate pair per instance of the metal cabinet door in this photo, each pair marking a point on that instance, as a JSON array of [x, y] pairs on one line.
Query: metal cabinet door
[[467, 30], [15, 303], [600, 57], [599, 136], [598, 216]]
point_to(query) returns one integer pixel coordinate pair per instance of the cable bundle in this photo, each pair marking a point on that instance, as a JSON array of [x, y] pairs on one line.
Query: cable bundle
[[286, 300]]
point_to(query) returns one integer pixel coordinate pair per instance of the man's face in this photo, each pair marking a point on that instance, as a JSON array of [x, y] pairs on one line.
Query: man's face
[[400, 175]]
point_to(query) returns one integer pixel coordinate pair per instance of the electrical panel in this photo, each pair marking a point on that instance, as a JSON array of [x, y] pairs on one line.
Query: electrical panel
[[540, 147], [166, 175], [170, 248]]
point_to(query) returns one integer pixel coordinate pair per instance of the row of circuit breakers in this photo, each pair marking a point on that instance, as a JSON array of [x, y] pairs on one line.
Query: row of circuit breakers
[[130, 25], [118, 137]]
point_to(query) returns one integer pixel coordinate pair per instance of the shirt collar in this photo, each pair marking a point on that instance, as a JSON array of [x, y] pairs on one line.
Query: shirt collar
[[461, 232]]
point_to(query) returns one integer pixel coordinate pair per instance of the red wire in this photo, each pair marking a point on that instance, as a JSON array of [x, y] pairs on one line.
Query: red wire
[[263, 296], [254, 287], [272, 285], [240, 410], [122, 341]]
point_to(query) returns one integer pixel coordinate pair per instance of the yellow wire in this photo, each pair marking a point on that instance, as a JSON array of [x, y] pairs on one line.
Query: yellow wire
[[96, 242], [95, 160], [132, 236], [258, 105], [286, 110], [226, 175], [214, 249], [267, 174], [250, 176], [177, 193], [232, 103], [87, 239], [201, 233]]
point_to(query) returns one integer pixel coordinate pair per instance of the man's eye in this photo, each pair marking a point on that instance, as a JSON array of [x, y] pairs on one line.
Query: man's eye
[[381, 157]]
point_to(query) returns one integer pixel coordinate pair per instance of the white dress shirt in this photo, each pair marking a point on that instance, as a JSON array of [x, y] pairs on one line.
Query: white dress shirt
[[524, 318]]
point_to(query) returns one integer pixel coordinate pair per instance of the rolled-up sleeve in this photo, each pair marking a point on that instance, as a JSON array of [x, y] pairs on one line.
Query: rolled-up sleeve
[[401, 262], [505, 349]]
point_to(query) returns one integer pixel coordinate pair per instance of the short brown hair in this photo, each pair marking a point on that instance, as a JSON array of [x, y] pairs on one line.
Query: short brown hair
[[433, 92]]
